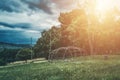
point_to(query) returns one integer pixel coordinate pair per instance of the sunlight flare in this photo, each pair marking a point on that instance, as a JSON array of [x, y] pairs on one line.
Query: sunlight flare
[[102, 6]]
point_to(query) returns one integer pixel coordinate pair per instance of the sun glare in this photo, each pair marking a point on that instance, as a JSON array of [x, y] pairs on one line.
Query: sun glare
[[102, 6]]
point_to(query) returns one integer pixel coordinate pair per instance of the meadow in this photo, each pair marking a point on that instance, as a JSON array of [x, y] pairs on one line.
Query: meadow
[[81, 68]]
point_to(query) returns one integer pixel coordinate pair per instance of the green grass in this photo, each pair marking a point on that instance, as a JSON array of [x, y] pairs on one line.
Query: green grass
[[83, 68]]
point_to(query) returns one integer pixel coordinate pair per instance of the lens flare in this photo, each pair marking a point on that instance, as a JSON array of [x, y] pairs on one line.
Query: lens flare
[[102, 6]]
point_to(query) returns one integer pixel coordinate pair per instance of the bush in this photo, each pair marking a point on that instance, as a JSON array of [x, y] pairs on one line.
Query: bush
[[24, 54], [2, 62], [8, 55]]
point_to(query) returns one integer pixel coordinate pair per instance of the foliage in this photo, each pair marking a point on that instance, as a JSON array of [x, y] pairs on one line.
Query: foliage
[[8, 55], [49, 39], [71, 33], [84, 31], [24, 54], [2, 62]]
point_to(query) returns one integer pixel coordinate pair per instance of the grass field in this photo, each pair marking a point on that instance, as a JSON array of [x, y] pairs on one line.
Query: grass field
[[82, 68]]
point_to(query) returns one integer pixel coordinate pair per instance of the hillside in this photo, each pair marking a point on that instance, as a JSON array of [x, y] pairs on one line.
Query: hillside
[[83, 68]]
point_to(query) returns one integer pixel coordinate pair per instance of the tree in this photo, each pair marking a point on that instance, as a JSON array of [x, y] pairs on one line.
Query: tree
[[81, 30], [2, 62], [49, 40], [8, 55], [24, 54], [74, 29], [73, 32]]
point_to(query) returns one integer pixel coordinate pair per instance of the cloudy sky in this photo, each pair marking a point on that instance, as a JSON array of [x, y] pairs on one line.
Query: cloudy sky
[[22, 19]]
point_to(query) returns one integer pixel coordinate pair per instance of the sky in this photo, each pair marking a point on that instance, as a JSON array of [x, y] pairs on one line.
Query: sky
[[22, 19]]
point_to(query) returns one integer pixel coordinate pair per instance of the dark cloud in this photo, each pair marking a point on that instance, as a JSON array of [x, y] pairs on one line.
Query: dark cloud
[[12, 36], [24, 25], [19, 25], [9, 5], [5, 24], [21, 36], [33, 5], [16, 26], [17, 37], [47, 5], [63, 4], [39, 4], [23, 5]]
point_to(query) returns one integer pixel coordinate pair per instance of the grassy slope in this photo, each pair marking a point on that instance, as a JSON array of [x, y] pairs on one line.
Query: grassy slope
[[83, 68]]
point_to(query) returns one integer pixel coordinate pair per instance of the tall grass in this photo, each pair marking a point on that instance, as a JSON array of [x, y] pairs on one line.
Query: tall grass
[[83, 68]]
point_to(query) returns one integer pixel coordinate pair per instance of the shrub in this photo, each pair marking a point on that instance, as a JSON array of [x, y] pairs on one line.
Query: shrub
[[2, 62], [24, 54]]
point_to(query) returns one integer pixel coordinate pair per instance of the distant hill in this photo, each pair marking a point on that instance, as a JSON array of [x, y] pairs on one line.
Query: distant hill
[[13, 46]]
